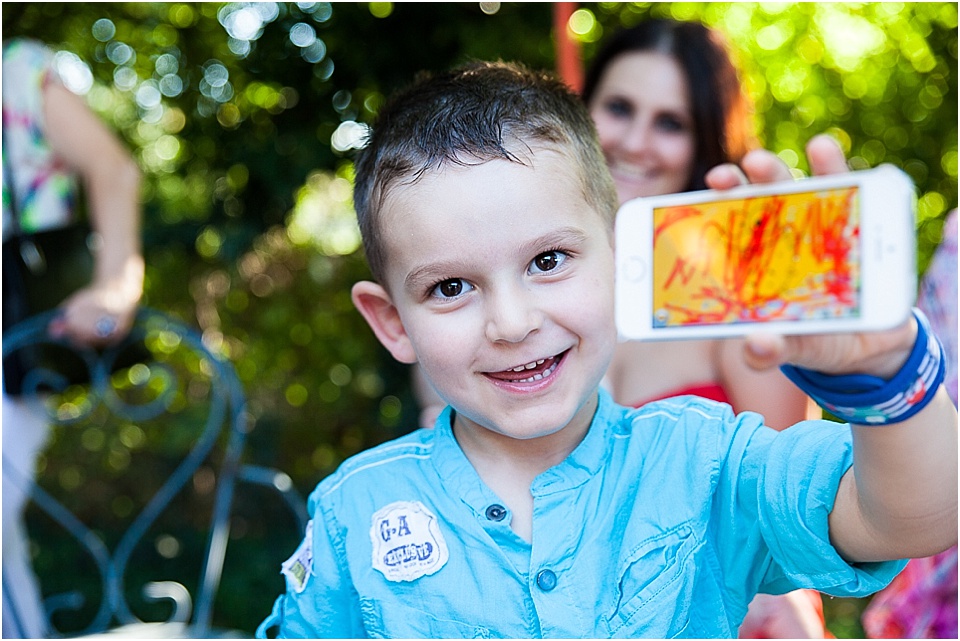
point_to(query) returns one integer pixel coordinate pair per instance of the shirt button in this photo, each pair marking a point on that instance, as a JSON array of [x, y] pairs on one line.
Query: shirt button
[[496, 512], [546, 580]]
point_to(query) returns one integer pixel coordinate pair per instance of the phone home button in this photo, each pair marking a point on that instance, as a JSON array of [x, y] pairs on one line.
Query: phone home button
[[634, 269]]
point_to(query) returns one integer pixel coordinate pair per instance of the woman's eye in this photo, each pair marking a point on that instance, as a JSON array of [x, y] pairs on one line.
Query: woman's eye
[[619, 107], [548, 261], [451, 288], [670, 123]]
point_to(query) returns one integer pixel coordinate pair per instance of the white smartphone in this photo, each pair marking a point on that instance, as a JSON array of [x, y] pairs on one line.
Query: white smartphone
[[816, 255]]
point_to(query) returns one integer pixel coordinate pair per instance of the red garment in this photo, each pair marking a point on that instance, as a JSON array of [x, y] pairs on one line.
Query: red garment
[[715, 392]]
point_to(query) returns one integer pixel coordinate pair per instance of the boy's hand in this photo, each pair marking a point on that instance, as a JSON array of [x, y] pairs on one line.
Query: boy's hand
[[877, 353], [884, 508], [762, 166]]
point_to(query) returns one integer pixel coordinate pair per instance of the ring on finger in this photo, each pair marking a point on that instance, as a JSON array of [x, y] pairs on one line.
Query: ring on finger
[[105, 326]]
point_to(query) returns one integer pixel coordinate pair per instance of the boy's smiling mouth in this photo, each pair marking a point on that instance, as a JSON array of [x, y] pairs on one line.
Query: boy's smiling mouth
[[529, 372]]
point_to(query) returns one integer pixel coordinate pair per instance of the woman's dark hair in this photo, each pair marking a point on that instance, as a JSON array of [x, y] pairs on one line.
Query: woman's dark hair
[[721, 111]]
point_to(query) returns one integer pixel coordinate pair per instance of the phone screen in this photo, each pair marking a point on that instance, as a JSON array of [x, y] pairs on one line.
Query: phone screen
[[769, 258]]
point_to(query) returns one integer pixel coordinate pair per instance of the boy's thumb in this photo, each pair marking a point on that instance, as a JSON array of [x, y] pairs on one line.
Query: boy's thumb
[[764, 351]]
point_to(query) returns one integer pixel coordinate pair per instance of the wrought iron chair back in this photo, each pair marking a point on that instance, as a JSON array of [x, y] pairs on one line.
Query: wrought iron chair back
[[173, 349]]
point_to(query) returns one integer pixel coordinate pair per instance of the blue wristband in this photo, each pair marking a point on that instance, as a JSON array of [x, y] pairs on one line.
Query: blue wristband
[[870, 400]]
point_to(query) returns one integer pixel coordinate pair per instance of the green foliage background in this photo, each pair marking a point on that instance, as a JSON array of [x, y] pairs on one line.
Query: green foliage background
[[242, 117]]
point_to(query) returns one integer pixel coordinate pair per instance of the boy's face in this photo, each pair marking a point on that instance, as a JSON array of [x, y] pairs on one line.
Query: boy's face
[[495, 268]]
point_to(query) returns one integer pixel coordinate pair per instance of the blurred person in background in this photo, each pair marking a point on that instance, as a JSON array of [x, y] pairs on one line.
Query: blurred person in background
[[51, 142], [668, 105]]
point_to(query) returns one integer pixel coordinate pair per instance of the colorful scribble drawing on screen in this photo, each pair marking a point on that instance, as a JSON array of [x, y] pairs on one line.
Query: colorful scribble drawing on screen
[[788, 257]]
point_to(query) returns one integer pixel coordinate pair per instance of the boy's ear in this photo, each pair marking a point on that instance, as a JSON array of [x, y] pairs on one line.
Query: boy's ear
[[374, 304]]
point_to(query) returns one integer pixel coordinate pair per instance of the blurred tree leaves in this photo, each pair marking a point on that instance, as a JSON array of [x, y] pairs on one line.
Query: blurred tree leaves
[[244, 117], [230, 109], [881, 77]]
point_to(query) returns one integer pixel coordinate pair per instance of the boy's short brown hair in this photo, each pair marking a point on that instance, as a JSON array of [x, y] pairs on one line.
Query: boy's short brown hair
[[472, 114]]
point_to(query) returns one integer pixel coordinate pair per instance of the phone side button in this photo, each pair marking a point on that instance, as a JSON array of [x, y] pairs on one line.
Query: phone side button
[[634, 269]]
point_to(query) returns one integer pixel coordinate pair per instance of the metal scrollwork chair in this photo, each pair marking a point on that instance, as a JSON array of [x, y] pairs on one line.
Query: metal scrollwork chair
[[161, 421]]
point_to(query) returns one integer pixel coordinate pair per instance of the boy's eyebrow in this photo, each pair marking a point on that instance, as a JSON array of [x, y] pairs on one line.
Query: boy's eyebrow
[[563, 238], [430, 274]]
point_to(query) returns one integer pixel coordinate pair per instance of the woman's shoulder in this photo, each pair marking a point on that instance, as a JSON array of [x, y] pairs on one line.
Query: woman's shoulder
[[22, 54], [27, 66]]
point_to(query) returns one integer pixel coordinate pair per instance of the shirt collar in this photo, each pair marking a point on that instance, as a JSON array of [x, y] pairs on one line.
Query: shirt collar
[[583, 463], [586, 460]]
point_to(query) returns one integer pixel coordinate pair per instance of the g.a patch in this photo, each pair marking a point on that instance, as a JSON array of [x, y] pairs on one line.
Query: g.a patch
[[297, 567], [407, 543]]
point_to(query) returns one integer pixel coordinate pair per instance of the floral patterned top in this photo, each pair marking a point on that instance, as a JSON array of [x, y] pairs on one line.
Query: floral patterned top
[[938, 299], [45, 188]]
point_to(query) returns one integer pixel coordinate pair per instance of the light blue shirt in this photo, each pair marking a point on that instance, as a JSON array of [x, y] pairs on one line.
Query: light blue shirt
[[665, 521]]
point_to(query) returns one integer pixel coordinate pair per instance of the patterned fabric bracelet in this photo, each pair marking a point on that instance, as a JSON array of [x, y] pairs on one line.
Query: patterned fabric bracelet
[[869, 400]]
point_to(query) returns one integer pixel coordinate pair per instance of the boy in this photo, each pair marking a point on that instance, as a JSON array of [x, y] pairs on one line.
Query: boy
[[537, 506]]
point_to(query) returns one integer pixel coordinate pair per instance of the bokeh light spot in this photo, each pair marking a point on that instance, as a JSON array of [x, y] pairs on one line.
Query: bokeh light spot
[[340, 375], [302, 34], [349, 135], [209, 242], [380, 9], [74, 72], [773, 36], [296, 395], [103, 29]]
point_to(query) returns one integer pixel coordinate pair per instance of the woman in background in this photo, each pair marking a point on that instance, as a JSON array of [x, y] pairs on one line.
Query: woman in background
[[668, 105], [52, 140]]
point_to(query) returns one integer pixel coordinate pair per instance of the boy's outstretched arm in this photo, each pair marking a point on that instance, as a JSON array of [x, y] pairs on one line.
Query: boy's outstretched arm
[[899, 499]]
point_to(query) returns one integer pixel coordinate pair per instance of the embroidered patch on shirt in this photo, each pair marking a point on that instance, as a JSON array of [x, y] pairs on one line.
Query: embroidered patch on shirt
[[297, 567], [407, 543]]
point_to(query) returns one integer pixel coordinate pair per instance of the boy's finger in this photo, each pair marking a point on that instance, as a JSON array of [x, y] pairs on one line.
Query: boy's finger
[[825, 156], [762, 166], [765, 351], [725, 176]]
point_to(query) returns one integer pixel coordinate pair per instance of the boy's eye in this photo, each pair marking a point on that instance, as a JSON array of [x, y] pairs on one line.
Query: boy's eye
[[548, 261], [451, 288]]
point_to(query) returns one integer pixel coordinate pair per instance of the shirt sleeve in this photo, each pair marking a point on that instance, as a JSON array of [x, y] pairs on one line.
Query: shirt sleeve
[[320, 601], [797, 490]]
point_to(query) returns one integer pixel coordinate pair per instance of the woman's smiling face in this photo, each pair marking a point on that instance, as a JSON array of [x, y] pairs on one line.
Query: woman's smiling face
[[642, 111]]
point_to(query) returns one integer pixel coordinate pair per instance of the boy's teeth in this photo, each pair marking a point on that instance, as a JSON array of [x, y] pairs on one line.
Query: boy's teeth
[[529, 365], [540, 375]]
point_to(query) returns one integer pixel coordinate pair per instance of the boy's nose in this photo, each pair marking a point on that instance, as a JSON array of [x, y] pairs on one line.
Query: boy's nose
[[512, 317]]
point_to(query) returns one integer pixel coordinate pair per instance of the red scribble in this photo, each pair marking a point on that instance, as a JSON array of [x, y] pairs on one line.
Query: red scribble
[[749, 242], [682, 269]]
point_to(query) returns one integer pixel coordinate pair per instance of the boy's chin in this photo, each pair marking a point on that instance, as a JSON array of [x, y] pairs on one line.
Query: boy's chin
[[523, 428], [513, 432], [534, 432]]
